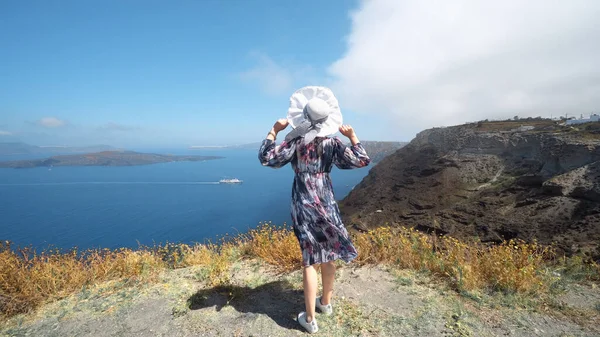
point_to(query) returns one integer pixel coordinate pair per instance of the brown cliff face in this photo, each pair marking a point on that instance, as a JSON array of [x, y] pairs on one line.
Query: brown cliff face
[[483, 180]]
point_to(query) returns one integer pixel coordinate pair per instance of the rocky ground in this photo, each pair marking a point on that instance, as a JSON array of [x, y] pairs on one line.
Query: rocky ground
[[488, 181], [368, 302]]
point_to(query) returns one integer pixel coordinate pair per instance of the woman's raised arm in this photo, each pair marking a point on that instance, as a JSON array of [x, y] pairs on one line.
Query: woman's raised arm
[[349, 157], [276, 156]]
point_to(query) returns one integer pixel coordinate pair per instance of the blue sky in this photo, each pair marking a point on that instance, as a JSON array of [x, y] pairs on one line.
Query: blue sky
[[179, 73], [158, 72]]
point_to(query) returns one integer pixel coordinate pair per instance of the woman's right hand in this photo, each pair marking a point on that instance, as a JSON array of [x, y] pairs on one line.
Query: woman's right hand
[[347, 131], [280, 125]]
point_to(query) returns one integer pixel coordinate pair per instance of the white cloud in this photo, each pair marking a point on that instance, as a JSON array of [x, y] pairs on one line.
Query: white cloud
[[112, 126], [5, 133], [51, 122], [432, 63], [277, 77], [272, 77]]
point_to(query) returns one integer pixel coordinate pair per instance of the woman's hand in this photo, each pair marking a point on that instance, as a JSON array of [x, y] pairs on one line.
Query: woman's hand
[[280, 125], [348, 131]]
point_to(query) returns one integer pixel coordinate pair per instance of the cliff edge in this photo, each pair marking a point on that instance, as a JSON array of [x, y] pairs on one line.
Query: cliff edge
[[529, 180]]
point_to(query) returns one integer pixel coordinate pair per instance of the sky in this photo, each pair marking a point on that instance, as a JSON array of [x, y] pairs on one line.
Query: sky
[[181, 73]]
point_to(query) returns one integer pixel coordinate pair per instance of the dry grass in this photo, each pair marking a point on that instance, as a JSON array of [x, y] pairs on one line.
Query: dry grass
[[29, 279], [277, 246], [216, 258], [511, 266]]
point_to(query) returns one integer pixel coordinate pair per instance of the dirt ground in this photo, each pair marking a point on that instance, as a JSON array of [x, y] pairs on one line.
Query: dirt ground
[[368, 302]]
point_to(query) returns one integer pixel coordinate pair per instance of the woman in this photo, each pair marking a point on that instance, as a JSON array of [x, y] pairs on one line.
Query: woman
[[315, 114]]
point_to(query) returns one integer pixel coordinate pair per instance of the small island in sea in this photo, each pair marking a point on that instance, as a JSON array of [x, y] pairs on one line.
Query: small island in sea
[[104, 158]]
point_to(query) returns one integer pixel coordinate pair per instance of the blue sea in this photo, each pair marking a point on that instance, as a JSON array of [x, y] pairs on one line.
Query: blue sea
[[111, 207]]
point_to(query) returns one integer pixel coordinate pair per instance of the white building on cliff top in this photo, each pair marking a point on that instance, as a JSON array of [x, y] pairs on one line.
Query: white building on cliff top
[[593, 118]]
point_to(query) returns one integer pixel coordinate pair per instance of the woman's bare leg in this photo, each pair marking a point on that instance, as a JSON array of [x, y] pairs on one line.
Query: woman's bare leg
[[309, 276], [328, 276]]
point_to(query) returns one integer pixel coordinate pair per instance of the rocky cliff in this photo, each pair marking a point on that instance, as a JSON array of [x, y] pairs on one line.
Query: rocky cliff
[[490, 180]]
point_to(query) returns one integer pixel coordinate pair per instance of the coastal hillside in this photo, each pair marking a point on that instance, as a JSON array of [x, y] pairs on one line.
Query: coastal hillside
[[526, 179]]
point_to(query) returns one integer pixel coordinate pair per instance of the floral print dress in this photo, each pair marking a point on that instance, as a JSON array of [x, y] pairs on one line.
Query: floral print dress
[[315, 214]]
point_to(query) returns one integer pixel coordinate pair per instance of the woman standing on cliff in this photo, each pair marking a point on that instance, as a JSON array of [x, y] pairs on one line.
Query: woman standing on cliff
[[314, 114]]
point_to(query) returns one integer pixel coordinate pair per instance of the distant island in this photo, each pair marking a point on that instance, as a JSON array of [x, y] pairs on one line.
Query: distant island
[[105, 158], [237, 146], [19, 148]]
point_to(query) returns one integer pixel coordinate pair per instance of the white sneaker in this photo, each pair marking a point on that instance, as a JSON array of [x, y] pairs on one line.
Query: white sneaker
[[326, 309], [311, 327]]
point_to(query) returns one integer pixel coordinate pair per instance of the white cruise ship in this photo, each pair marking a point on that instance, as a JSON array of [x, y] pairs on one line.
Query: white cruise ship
[[230, 181]]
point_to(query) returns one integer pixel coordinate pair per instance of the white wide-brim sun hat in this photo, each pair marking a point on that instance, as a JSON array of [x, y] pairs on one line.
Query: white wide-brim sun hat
[[331, 109]]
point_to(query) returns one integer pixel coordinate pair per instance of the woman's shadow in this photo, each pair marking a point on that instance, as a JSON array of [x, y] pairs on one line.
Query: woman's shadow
[[278, 300]]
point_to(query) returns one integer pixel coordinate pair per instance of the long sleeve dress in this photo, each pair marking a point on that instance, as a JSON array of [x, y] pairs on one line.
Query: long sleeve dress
[[315, 214]]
